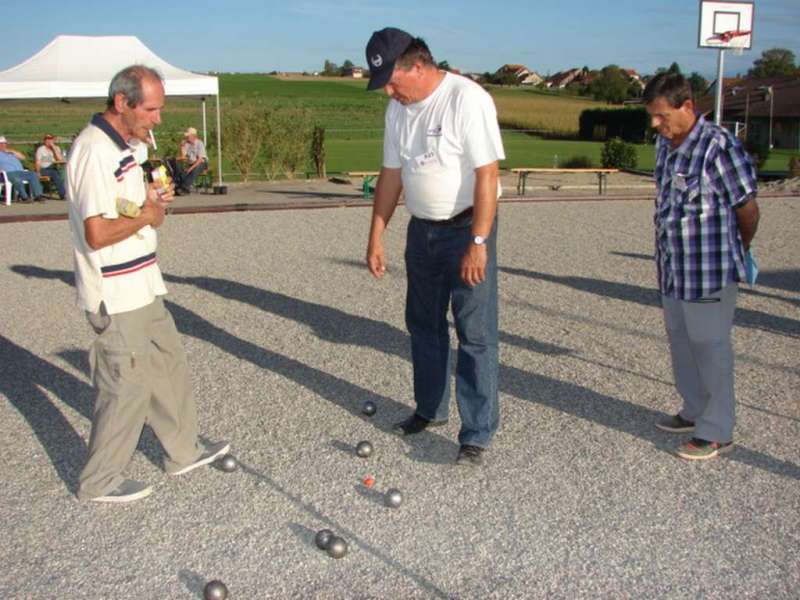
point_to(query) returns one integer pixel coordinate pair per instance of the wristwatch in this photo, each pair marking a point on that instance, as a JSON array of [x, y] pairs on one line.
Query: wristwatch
[[478, 240]]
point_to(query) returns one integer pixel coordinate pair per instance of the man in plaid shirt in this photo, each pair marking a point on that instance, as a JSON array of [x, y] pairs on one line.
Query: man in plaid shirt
[[705, 218]]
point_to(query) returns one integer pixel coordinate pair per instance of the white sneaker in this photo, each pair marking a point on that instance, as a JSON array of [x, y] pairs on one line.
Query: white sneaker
[[211, 453], [127, 491]]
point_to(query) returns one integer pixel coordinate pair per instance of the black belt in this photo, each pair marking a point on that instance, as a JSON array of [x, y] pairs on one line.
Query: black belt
[[464, 214]]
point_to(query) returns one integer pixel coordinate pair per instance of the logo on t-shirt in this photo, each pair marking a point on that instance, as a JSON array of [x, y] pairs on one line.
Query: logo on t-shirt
[[435, 131]]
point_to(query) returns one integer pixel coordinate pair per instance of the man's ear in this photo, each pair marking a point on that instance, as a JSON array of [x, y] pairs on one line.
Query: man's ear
[[688, 105], [120, 102]]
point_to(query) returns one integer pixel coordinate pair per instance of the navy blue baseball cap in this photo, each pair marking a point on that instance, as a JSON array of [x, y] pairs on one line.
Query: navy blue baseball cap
[[383, 50]]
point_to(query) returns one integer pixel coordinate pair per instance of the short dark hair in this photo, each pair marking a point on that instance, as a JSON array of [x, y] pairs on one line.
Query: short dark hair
[[673, 87], [128, 82], [417, 51]]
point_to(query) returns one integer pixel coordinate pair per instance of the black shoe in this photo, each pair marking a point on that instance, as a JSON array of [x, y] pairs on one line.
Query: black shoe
[[415, 424], [470, 456], [39, 199], [675, 424]]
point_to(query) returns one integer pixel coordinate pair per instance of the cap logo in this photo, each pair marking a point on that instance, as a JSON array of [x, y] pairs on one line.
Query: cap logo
[[376, 61]]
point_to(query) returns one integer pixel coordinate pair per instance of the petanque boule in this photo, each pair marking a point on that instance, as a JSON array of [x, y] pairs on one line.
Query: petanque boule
[[215, 590], [228, 463], [364, 449], [337, 547], [369, 408], [393, 498], [323, 538]]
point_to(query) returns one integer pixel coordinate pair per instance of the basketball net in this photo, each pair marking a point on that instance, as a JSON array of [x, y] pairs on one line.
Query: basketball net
[[737, 40]]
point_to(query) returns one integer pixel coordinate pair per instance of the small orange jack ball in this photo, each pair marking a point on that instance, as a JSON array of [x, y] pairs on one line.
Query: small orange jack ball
[[369, 481]]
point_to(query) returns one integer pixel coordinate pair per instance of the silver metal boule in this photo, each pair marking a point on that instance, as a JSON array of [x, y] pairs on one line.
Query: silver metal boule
[[323, 538], [337, 547], [393, 498], [369, 408], [364, 449], [215, 590], [228, 463]]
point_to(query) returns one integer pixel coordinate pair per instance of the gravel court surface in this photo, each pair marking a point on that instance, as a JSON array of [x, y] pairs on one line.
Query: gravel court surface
[[287, 335]]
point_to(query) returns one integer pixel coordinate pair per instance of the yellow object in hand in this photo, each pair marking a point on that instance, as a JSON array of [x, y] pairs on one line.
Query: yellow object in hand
[[128, 208]]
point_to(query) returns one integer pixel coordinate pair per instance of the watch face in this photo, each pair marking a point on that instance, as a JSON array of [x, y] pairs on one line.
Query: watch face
[[478, 240]]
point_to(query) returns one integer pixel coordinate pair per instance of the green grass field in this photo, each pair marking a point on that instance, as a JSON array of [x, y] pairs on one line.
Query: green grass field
[[352, 117]]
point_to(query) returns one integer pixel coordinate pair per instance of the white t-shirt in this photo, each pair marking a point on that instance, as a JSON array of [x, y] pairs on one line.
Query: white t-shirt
[[101, 169], [45, 156], [439, 142]]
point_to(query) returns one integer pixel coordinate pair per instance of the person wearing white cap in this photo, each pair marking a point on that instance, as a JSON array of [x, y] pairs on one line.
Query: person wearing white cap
[[17, 174], [193, 151], [441, 150]]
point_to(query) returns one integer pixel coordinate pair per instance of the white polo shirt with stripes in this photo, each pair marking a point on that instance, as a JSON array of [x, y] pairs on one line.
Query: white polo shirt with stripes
[[101, 169]]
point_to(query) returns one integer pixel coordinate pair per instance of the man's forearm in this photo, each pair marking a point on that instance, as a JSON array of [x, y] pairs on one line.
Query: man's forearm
[[485, 200], [387, 195], [747, 217]]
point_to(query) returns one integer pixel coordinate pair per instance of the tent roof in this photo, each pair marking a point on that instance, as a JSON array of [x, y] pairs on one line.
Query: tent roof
[[73, 66]]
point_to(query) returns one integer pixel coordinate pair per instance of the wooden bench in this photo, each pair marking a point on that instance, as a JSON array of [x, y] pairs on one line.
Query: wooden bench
[[369, 177], [602, 176]]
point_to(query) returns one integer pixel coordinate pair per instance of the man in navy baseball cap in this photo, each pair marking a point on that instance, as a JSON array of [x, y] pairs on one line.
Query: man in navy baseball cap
[[383, 49]]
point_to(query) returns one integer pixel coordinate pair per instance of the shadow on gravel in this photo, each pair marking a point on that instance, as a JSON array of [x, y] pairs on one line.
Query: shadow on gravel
[[340, 392], [23, 376], [340, 327], [192, 581], [649, 297], [306, 534]]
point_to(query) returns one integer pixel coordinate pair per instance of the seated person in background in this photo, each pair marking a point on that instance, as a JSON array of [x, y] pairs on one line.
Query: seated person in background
[[194, 152], [47, 155], [17, 174]]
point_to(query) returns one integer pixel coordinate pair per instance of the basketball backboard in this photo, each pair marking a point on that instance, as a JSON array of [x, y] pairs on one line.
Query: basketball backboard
[[726, 25]]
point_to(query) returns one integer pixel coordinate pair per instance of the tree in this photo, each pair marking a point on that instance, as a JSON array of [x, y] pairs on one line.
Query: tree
[[330, 68], [610, 84], [698, 83], [674, 68], [776, 61], [346, 66], [443, 65]]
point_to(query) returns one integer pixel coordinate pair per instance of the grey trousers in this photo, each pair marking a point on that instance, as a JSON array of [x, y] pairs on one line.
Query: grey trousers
[[140, 372], [702, 361]]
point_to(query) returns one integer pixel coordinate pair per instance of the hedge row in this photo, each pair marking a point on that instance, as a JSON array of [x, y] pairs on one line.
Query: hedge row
[[600, 124]]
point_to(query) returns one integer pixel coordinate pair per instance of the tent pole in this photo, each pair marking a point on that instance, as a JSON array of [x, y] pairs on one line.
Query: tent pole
[[219, 145], [205, 132]]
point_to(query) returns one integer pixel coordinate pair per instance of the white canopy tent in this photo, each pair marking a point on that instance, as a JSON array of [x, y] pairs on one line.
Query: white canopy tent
[[73, 66]]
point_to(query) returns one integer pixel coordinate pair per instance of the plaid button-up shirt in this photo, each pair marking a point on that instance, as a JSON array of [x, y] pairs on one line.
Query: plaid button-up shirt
[[699, 185]]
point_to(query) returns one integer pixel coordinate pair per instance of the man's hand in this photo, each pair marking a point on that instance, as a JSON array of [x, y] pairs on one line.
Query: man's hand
[[153, 212], [376, 261], [163, 195], [473, 264]]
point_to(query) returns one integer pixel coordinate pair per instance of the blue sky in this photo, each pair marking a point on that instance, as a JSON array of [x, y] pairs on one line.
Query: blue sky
[[249, 35]]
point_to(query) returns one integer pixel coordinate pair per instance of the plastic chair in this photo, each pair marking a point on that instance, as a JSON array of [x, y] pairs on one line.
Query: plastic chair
[[5, 187]]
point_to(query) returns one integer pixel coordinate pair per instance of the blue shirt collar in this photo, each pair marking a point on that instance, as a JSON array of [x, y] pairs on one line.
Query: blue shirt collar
[[98, 120]]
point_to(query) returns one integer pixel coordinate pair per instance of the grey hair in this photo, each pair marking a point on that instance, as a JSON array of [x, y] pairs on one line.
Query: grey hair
[[128, 82]]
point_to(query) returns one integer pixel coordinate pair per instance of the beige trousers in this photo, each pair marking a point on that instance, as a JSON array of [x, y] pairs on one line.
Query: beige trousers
[[140, 372]]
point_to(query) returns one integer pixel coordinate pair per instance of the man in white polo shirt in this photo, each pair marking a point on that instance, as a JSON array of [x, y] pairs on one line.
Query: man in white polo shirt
[[138, 363], [441, 149]]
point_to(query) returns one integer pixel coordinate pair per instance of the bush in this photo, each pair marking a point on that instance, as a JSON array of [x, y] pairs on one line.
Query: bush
[[578, 162], [794, 166], [617, 154], [630, 124], [244, 132]]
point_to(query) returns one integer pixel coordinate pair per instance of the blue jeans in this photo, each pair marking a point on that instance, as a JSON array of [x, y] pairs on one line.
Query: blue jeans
[[55, 176], [187, 178], [433, 264], [17, 179]]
